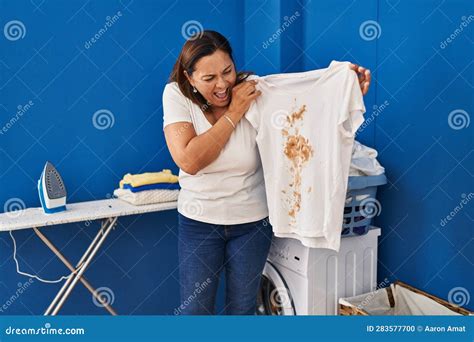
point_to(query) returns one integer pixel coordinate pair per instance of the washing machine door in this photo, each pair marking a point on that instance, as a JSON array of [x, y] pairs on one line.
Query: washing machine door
[[274, 297]]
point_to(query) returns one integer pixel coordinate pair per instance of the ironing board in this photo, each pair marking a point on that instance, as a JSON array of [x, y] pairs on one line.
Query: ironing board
[[108, 210]]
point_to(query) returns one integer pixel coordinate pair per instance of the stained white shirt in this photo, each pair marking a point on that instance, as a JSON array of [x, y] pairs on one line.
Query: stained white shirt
[[231, 189], [306, 124]]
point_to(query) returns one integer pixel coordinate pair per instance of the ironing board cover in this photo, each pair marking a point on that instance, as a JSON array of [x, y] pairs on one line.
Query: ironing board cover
[[77, 212]]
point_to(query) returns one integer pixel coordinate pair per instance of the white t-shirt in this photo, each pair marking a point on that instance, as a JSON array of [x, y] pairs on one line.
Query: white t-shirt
[[306, 124], [231, 189]]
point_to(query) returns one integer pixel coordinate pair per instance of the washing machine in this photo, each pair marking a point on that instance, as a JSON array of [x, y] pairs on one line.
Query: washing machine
[[298, 280]]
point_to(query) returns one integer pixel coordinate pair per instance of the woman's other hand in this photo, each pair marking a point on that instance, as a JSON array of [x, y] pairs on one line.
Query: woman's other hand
[[364, 77]]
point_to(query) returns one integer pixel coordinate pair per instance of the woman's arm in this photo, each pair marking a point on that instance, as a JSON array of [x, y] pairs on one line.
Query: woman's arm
[[192, 152]]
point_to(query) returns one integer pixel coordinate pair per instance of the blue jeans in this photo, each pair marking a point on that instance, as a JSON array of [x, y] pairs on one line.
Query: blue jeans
[[206, 249]]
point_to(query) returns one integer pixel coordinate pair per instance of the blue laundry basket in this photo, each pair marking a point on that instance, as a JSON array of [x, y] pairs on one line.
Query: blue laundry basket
[[361, 204]]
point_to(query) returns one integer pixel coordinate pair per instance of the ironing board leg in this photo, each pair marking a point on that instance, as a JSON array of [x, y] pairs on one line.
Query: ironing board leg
[[68, 281], [103, 232], [81, 261], [72, 269], [81, 266]]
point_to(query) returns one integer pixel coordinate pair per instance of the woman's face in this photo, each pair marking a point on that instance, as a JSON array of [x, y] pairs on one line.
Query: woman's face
[[214, 76]]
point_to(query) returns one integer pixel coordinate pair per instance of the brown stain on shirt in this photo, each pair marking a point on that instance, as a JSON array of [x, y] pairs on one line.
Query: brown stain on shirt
[[299, 151]]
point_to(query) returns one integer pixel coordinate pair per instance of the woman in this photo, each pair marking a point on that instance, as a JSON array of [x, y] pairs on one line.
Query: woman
[[222, 209]]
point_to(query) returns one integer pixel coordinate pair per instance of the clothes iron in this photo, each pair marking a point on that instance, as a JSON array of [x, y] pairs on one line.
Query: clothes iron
[[51, 189]]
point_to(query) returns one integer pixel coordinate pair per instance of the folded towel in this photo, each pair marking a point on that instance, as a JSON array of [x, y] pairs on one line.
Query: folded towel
[[161, 186], [146, 178], [146, 197]]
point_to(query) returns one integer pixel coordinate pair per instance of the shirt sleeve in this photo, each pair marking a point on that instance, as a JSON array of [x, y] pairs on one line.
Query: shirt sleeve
[[252, 77], [353, 109], [175, 106], [253, 115]]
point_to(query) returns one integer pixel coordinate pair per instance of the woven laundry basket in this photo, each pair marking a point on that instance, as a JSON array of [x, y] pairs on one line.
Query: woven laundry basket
[[398, 299]]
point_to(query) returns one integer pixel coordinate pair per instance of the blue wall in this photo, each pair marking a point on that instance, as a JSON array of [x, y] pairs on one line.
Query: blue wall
[[417, 84]]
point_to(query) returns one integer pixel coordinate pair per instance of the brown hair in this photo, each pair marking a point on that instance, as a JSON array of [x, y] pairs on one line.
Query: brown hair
[[199, 45]]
